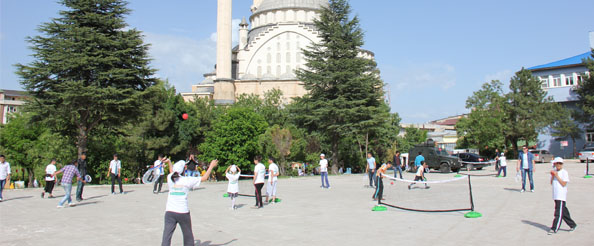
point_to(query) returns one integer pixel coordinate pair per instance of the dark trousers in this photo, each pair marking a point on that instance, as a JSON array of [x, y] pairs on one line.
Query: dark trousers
[[379, 190], [258, 194], [504, 169], [113, 179], [2, 183], [159, 182], [49, 186], [185, 223], [561, 212], [371, 174], [79, 190]]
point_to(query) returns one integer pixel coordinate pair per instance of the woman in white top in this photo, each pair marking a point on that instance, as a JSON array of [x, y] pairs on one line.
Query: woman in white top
[[259, 174], [233, 173], [49, 179], [502, 165], [177, 211]]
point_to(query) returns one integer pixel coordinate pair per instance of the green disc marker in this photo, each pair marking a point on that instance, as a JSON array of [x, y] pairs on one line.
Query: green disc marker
[[275, 200], [226, 195], [457, 176], [379, 208], [588, 176], [473, 214]]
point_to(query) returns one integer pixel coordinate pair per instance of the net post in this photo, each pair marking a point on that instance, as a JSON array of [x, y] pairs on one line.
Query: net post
[[587, 176], [472, 213]]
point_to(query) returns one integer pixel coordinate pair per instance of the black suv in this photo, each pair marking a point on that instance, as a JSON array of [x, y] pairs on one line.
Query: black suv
[[435, 158]]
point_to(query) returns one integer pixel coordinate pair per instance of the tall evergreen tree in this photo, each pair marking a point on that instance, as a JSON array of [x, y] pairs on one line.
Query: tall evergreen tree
[[586, 94], [528, 108], [89, 69], [344, 89]]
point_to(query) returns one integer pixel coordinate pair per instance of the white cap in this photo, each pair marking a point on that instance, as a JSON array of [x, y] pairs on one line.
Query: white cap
[[322, 154], [558, 160], [179, 166], [233, 168]]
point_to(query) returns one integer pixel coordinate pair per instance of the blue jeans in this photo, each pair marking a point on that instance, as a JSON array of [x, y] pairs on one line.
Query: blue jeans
[[529, 172], [399, 169], [67, 190], [504, 170], [191, 173], [2, 183], [372, 181], [324, 176]]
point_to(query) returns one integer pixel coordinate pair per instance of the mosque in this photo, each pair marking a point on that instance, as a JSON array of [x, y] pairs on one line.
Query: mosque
[[268, 52]]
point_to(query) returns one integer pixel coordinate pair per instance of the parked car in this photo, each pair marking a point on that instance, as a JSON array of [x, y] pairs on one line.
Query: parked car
[[541, 155], [435, 158], [478, 161], [587, 153]]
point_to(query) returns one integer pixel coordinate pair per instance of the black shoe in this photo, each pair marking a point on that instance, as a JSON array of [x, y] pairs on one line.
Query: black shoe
[[573, 228], [42, 194]]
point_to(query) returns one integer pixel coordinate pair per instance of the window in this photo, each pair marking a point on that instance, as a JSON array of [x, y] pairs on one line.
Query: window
[[569, 80], [556, 80], [544, 82], [590, 137]]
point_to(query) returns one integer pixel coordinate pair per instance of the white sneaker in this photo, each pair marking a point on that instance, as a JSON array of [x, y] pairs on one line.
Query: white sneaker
[[72, 204], [532, 191], [60, 206], [522, 191]]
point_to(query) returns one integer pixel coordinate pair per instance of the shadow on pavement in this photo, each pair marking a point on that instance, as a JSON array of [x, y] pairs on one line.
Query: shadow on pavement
[[94, 197], [17, 198], [537, 225], [512, 189], [209, 243], [87, 203]]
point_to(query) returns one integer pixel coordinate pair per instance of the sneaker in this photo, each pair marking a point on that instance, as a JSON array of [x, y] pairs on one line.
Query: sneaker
[[550, 232], [50, 196], [72, 204], [409, 187], [113, 193], [427, 187], [522, 191], [532, 191], [60, 206], [42, 194], [255, 207], [573, 228], [78, 199]]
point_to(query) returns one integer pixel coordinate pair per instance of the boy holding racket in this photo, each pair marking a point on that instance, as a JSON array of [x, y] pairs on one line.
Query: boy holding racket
[[420, 175], [379, 175]]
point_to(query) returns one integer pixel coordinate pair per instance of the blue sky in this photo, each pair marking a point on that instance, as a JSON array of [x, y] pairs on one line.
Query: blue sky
[[432, 54]]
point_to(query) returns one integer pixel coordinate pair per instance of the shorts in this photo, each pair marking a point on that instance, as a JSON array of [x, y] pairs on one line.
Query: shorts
[[233, 195], [271, 188], [418, 178]]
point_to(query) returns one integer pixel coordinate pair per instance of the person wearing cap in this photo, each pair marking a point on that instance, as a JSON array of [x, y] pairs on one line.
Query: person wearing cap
[[502, 165], [559, 180], [526, 164], [115, 172], [324, 171], [177, 210], [232, 174]]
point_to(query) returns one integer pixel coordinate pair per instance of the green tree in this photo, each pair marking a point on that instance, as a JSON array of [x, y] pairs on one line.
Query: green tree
[[528, 109], [585, 93], [234, 138], [412, 137], [344, 88], [567, 127], [89, 70], [485, 124], [277, 142]]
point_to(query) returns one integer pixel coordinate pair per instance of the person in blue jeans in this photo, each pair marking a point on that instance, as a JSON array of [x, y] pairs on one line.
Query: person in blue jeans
[[191, 166], [324, 171], [370, 169], [397, 164], [69, 171], [4, 174], [526, 164]]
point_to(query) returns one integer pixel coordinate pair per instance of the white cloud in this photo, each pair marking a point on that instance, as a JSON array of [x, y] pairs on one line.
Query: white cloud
[[184, 60], [420, 75]]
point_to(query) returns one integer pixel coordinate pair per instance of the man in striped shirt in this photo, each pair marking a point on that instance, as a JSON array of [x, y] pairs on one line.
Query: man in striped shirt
[[69, 171]]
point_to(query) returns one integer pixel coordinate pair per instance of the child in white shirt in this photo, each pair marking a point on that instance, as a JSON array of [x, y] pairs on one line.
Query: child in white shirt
[[233, 173], [559, 180]]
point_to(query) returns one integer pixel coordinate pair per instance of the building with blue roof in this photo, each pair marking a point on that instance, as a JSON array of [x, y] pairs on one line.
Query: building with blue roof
[[560, 79]]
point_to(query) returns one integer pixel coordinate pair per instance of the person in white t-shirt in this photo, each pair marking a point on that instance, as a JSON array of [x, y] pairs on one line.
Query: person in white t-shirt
[[259, 174], [4, 174], [233, 173], [272, 180], [502, 165], [159, 166], [559, 180], [115, 171], [177, 210], [49, 179], [324, 171], [420, 175]]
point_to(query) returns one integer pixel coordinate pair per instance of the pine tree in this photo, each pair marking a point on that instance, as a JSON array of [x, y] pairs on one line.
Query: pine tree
[[344, 88], [586, 94], [90, 70]]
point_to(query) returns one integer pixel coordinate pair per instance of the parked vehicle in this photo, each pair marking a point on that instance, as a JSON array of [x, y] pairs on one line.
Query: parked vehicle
[[587, 153], [478, 162], [541, 155], [435, 158]]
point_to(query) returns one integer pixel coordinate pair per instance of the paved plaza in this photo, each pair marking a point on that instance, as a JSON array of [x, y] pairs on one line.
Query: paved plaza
[[307, 215]]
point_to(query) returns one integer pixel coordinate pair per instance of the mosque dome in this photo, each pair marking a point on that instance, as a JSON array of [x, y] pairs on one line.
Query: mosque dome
[[271, 5]]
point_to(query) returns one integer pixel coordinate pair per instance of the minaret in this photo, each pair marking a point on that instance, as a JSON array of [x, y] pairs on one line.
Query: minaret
[[243, 33], [224, 90]]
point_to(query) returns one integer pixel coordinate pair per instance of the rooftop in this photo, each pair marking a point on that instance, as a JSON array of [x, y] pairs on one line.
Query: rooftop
[[567, 62]]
